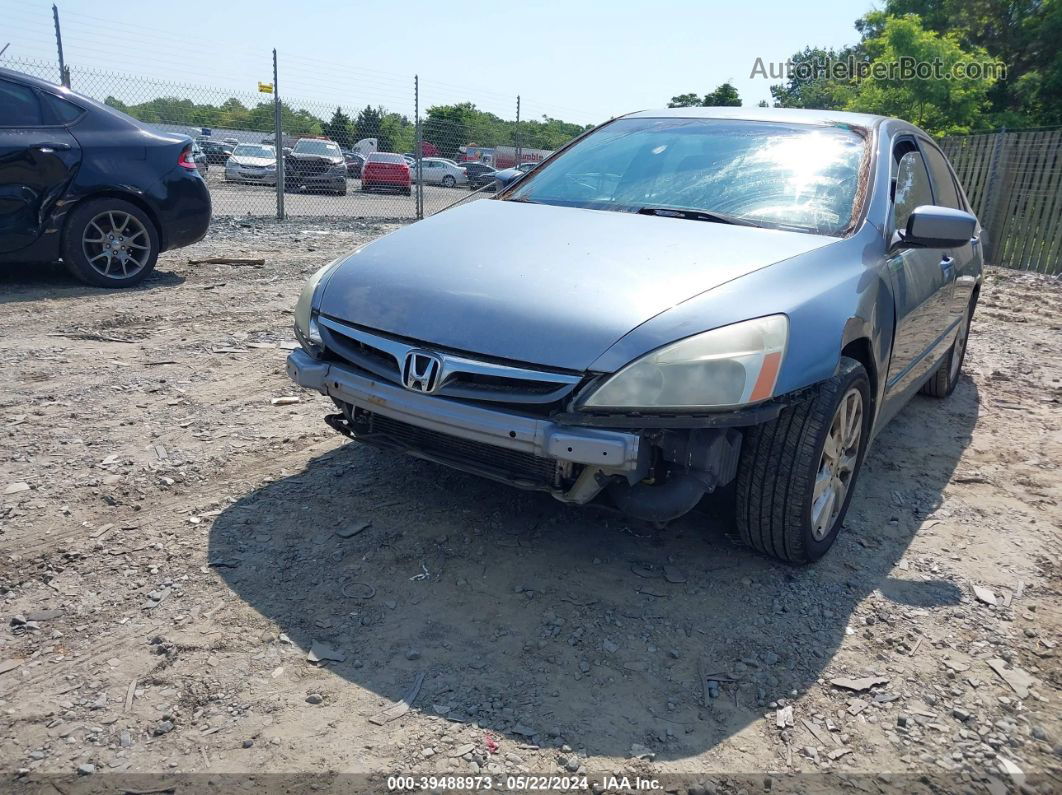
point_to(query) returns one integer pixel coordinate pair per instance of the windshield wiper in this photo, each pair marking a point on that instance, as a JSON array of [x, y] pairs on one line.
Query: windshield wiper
[[697, 215]]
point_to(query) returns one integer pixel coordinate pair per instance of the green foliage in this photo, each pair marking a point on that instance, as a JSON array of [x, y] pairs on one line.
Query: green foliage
[[725, 95], [231, 114], [451, 126], [940, 106], [809, 87], [685, 101], [340, 129], [1023, 35]]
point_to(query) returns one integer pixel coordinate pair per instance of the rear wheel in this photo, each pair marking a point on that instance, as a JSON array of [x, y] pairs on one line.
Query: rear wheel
[[797, 472], [946, 378], [110, 243], [448, 181]]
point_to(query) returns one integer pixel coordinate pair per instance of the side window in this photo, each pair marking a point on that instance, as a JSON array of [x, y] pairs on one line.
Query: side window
[[64, 112], [943, 182], [912, 188], [18, 106]]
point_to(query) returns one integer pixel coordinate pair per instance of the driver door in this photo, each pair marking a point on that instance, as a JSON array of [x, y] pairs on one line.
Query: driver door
[[921, 277], [38, 159]]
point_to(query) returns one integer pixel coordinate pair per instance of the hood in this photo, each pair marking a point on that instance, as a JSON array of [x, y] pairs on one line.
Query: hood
[[249, 160], [533, 283], [305, 157]]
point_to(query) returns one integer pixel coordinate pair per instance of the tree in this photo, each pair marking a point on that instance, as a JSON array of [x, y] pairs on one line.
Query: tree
[[810, 82], [763, 104], [725, 95], [1023, 34], [685, 101], [340, 129], [941, 106], [369, 124]]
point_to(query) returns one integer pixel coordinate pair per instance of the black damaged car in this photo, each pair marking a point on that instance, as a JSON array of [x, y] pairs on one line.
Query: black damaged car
[[85, 183], [316, 164]]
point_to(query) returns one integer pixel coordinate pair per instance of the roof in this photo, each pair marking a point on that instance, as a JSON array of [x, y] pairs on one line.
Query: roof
[[792, 115]]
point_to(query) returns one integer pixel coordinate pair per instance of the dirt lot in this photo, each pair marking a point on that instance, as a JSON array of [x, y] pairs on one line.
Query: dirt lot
[[174, 544]]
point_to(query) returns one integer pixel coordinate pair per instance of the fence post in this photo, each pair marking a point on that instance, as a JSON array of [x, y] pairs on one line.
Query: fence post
[[278, 132], [517, 135], [991, 189], [64, 73], [418, 152]]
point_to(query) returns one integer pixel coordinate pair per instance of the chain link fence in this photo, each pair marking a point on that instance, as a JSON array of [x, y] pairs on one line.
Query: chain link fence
[[395, 155]]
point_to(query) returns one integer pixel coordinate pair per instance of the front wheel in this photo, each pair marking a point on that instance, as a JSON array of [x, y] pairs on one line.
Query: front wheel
[[110, 243], [797, 472]]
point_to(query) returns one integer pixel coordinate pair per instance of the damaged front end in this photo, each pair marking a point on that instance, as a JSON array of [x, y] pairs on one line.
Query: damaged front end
[[653, 468]]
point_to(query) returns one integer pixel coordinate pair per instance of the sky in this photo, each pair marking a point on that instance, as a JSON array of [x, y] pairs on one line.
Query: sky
[[582, 61]]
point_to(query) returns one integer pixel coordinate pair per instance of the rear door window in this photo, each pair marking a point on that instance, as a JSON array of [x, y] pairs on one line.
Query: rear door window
[[62, 111], [19, 106], [943, 181]]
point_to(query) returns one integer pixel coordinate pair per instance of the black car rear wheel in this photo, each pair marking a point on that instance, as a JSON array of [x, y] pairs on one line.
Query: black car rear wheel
[[110, 243]]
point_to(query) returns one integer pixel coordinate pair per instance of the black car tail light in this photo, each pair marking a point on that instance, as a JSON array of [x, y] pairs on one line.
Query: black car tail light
[[185, 160]]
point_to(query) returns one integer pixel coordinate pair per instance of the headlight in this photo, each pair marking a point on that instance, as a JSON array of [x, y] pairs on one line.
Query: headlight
[[306, 309], [727, 367]]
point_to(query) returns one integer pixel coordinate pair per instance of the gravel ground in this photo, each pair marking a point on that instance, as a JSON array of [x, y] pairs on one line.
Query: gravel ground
[[174, 544]]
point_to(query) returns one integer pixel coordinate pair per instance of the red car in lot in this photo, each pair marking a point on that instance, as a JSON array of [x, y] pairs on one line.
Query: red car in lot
[[385, 170]]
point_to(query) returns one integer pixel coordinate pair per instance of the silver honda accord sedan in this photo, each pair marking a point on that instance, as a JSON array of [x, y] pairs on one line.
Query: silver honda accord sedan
[[674, 302]]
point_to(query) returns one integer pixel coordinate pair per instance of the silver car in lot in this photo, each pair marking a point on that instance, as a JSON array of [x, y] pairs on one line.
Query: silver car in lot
[[674, 302], [252, 163], [439, 171]]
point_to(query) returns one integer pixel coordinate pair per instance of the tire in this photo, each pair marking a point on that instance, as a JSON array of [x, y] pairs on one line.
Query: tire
[[408, 191], [89, 236], [946, 378], [783, 460], [448, 181], [341, 191]]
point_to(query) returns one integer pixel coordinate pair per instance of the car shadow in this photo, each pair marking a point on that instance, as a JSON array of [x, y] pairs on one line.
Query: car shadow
[[554, 625], [34, 281]]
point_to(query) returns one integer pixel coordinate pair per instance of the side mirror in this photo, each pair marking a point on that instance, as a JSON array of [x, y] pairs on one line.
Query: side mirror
[[507, 177], [930, 226]]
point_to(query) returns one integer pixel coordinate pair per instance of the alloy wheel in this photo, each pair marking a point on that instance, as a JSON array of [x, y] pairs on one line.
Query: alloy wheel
[[116, 244], [837, 463]]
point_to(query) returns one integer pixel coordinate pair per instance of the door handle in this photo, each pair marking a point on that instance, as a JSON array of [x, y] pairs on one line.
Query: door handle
[[51, 146]]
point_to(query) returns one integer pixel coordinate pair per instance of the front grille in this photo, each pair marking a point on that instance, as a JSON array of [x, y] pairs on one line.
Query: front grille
[[511, 464], [464, 379]]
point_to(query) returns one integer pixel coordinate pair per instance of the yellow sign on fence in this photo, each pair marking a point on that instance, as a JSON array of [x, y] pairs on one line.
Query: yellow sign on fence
[[265, 88]]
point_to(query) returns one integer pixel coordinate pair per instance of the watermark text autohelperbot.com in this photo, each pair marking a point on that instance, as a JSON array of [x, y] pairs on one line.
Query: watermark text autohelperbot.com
[[903, 68]]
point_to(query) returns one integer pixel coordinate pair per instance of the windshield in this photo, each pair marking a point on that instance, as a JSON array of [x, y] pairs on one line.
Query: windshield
[[327, 148], [253, 150], [386, 157], [790, 176]]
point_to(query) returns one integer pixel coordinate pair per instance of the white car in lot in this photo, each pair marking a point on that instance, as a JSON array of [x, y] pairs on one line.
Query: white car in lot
[[252, 163], [439, 171]]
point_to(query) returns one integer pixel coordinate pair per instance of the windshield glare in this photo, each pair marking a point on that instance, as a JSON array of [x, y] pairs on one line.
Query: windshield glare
[[317, 148], [791, 176], [251, 150]]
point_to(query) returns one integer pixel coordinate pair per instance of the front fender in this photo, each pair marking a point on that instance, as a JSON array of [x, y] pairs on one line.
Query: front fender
[[831, 295]]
